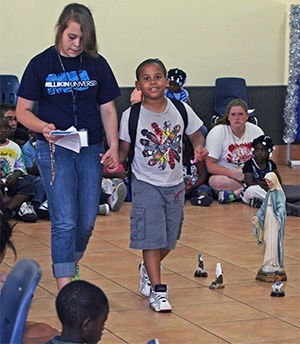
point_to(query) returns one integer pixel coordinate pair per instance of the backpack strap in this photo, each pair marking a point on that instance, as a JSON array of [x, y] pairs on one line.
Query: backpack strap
[[134, 115], [133, 122], [182, 110], [132, 127]]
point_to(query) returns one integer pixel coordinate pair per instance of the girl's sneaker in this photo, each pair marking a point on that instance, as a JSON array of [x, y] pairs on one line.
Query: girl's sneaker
[[159, 299], [76, 277], [226, 196]]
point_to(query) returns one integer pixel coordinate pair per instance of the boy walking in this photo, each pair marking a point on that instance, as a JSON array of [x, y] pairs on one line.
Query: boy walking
[[157, 178]]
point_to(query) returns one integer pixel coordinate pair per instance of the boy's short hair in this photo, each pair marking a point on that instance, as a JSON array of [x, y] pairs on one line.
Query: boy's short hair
[[6, 107], [265, 141], [78, 301], [150, 61], [177, 75]]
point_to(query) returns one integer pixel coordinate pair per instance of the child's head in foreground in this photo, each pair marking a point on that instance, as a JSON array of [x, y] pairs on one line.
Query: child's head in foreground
[[151, 79], [82, 309], [155, 61]]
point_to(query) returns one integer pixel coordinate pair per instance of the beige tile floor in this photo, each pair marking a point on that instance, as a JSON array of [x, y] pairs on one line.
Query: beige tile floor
[[242, 312]]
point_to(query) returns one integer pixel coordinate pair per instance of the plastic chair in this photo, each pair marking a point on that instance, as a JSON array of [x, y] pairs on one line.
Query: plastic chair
[[15, 299], [9, 85], [226, 90]]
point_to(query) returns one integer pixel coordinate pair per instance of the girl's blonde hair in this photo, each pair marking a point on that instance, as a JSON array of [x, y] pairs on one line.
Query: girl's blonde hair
[[235, 102], [82, 15]]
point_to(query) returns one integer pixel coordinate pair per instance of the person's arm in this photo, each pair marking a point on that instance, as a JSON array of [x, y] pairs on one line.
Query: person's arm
[[136, 96], [110, 122], [198, 142], [33, 170], [214, 168], [12, 178], [29, 120], [124, 148], [249, 180]]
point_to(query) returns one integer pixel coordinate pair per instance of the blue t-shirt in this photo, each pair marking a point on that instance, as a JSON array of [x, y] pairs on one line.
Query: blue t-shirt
[[182, 95], [28, 153], [91, 79]]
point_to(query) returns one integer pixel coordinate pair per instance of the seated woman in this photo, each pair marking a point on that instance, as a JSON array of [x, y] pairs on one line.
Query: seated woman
[[229, 146]]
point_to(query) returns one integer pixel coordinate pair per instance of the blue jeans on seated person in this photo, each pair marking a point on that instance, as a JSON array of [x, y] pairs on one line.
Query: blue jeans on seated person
[[40, 192], [197, 192], [73, 201], [203, 188]]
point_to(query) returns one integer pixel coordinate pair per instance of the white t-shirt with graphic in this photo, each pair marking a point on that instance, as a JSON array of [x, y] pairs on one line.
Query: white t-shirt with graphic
[[229, 150], [158, 147]]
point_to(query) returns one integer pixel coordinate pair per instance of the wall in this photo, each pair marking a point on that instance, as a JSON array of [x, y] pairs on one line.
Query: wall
[[207, 38]]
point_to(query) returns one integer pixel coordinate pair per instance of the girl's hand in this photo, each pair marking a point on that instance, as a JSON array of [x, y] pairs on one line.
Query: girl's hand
[[46, 132], [110, 160]]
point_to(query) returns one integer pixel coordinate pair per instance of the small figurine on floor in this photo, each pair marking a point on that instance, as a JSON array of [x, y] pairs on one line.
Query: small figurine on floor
[[276, 288], [200, 271], [153, 341], [218, 283]]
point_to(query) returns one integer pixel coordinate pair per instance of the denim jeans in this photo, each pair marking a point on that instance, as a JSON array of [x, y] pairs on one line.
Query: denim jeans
[[73, 201], [40, 192]]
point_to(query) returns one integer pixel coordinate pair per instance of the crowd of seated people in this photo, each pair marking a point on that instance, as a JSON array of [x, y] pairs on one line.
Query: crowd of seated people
[[22, 189], [221, 176]]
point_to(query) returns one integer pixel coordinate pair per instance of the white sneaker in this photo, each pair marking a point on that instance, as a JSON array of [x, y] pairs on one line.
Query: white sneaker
[[27, 213], [145, 284], [117, 197], [159, 299], [106, 185], [103, 209], [42, 211], [44, 206]]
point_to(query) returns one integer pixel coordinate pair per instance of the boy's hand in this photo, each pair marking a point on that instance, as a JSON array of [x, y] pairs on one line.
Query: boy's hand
[[11, 179], [200, 153], [110, 160]]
